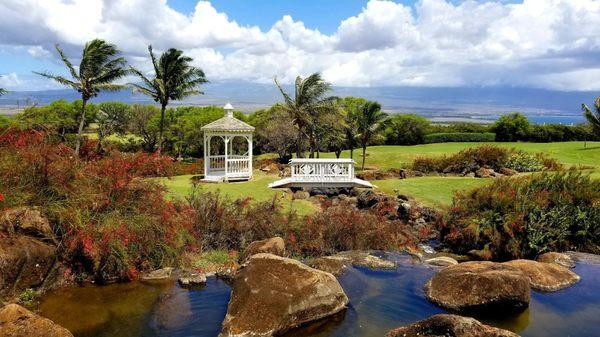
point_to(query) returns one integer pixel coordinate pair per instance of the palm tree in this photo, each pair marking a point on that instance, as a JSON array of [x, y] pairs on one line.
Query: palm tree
[[174, 79], [100, 66], [3, 91], [305, 109], [593, 117], [369, 122]]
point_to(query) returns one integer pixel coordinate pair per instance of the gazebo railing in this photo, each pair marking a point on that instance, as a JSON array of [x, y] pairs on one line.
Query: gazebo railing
[[216, 163], [236, 165]]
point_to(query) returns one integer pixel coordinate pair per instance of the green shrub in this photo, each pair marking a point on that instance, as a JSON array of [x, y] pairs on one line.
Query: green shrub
[[522, 161], [523, 217], [512, 127], [447, 137], [27, 297], [403, 129]]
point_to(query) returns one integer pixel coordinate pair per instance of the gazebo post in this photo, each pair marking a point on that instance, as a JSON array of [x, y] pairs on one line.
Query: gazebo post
[[250, 152], [226, 138]]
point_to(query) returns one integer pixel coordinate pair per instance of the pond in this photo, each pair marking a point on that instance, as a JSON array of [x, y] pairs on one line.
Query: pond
[[379, 301]]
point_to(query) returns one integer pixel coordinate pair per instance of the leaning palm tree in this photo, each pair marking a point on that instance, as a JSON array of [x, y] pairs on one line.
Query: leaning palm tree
[[305, 109], [174, 79], [99, 68], [593, 117], [370, 120], [3, 91]]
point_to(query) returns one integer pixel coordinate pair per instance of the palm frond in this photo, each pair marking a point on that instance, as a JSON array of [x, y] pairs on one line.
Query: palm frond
[[66, 61], [60, 79]]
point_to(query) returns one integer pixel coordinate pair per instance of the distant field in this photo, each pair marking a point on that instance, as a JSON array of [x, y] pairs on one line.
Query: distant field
[[394, 156], [431, 191]]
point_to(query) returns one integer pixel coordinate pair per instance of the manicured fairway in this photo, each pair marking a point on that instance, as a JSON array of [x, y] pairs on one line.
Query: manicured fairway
[[431, 191], [395, 156]]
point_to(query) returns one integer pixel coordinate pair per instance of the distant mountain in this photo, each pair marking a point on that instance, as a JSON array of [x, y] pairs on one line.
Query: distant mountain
[[476, 104]]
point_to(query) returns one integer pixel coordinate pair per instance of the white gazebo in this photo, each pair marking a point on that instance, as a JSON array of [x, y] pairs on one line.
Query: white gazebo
[[227, 149]]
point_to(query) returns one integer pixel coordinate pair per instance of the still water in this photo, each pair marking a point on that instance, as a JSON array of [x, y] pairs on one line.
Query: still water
[[379, 301]]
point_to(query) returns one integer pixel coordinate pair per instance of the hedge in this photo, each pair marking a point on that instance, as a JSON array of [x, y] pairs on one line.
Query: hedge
[[448, 137]]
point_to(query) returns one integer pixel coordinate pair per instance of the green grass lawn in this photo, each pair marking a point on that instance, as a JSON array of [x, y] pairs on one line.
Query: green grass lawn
[[395, 156], [431, 191], [181, 186]]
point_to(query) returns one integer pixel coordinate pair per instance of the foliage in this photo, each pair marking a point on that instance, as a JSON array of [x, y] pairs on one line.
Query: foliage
[[593, 117], [467, 160], [461, 127], [225, 224], [111, 223], [406, 129], [174, 79], [523, 217], [112, 117], [100, 66], [370, 121], [522, 161], [511, 127], [275, 133], [558, 133], [58, 117], [459, 137], [27, 297], [351, 106], [308, 105]]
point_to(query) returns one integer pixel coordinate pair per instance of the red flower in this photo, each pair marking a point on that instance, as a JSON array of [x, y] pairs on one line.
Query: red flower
[[1, 197]]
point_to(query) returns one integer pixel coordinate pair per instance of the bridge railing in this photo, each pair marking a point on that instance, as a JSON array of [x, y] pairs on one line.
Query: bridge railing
[[322, 170]]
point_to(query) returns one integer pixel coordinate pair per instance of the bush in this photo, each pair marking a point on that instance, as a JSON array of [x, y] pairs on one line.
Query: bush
[[523, 217], [225, 224], [406, 130], [511, 128], [488, 156], [459, 137], [111, 222]]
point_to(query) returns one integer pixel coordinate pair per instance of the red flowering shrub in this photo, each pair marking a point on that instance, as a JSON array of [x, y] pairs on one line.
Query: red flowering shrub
[[227, 224], [110, 221], [522, 217]]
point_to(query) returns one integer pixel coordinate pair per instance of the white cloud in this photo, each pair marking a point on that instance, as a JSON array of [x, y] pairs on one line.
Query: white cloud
[[9, 80], [537, 43]]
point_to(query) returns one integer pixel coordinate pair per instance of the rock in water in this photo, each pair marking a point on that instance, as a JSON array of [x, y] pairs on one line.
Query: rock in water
[[273, 294], [191, 278], [331, 264], [441, 261], [545, 276], [275, 246], [365, 259], [16, 321], [158, 275], [451, 326], [558, 258], [481, 286]]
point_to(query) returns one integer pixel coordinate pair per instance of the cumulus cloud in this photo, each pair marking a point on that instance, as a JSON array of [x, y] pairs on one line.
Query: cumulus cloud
[[536, 43]]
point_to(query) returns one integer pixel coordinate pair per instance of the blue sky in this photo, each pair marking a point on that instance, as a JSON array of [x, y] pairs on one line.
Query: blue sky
[[549, 44]]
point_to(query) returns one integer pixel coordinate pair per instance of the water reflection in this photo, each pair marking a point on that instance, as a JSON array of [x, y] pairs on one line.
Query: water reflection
[[379, 301]]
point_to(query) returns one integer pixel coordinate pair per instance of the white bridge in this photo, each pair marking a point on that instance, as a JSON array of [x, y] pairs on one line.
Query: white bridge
[[312, 173]]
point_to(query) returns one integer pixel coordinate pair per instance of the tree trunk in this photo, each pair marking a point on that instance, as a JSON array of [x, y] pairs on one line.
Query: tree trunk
[[364, 155], [161, 126], [351, 152], [80, 129], [299, 147]]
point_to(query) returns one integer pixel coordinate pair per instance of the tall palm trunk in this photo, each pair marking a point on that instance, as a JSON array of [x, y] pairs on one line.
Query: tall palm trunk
[[351, 152], [364, 154], [161, 126], [80, 128]]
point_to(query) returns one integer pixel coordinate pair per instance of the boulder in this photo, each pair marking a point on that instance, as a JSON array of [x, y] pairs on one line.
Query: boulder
[[275, 246], [301, 195], [158, 275], [16, 321], [25, 262], [545, 276], [558, 258], [451, 326], [191, 278], [479, 286], [485, 173], [369, 198], [28, 221], [271, 168], [331, 264], [507, 171], [441, 261], [366, 260], [273, 294]]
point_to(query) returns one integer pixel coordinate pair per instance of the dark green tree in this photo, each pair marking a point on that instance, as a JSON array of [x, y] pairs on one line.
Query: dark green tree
[[593, 116], [99, 68], [174, 79], [370, 121], [406, 129], [307, 107], [511, 128]]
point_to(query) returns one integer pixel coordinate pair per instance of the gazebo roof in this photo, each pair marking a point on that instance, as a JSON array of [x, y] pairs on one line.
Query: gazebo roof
[[228, 123]]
